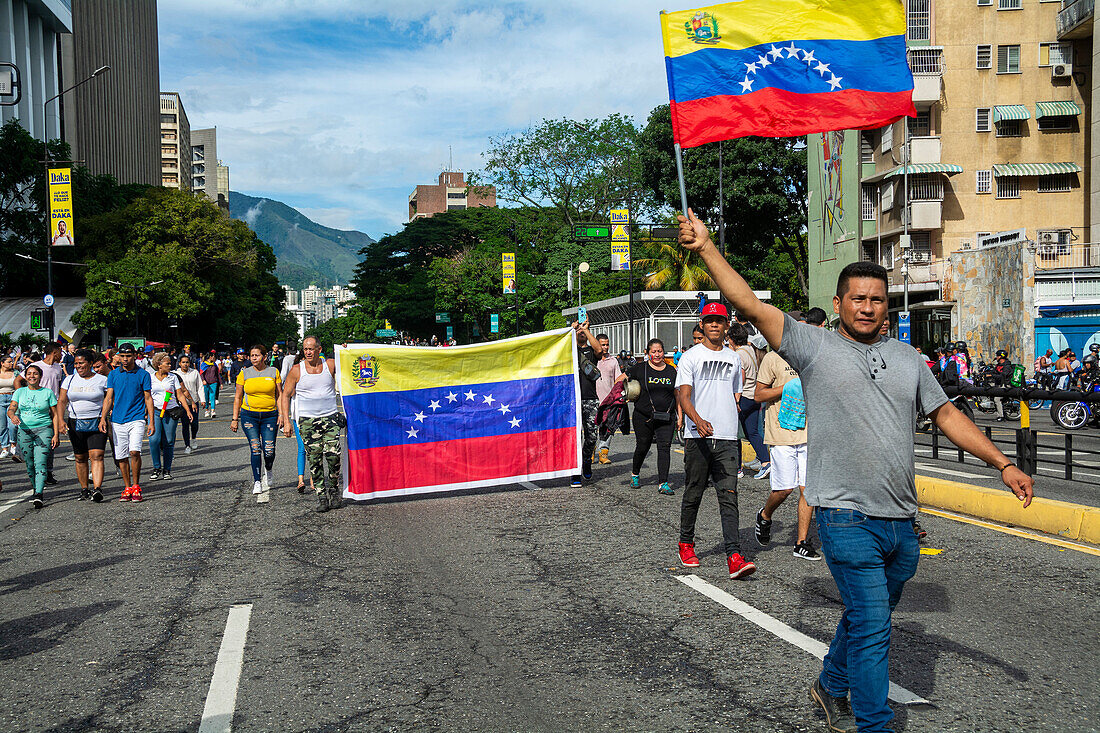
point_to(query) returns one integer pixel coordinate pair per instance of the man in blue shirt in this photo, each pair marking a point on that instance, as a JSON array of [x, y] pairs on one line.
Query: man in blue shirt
[[129, 403]]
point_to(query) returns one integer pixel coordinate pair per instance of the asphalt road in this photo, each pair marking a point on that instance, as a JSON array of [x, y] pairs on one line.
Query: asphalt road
[[559, 609]]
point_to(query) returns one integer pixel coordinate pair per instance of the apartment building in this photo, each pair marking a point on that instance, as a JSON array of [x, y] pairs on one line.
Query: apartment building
[[207, 177], [998, 156], [449, 194], [175, 143]]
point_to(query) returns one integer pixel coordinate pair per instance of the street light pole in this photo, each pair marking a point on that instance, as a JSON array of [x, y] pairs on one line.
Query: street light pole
[[136, 288], [46, 160]]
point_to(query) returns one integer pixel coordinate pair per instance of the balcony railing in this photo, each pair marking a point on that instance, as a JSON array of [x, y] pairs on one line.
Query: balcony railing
[[1065, 256], [1072, 16], [926, 60]]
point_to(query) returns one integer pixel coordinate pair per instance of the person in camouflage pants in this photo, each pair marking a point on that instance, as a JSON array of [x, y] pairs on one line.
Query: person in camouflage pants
[[321, 437]]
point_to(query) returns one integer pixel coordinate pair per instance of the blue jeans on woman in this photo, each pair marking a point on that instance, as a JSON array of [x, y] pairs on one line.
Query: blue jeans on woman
[[7, 429], [301, 450], [870, 560], [163, 443], [748, 410], [211, 395], [260, 429]]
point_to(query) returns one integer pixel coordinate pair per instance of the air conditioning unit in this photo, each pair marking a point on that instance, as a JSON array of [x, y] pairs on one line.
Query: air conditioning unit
[[1048, 238], [1061, 71]]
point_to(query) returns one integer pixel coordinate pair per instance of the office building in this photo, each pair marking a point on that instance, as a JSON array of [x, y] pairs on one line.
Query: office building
[[449, 194], [111, 123], [30, 32], [208, 176], [175, 143], [223, 185], [989, 180], [323, 303]]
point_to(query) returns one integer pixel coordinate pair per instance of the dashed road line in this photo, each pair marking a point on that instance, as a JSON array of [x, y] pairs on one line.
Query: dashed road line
[[221, 700], [806, 643], [12, 502]]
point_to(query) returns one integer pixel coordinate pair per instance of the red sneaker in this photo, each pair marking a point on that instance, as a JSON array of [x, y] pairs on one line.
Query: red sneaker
[[135, 495], [126, 493], [687, 555], [740, 567]]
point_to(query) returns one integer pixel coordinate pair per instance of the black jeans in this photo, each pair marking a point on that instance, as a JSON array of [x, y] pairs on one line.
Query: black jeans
[[718, 460], [646, 430], [190, 425]]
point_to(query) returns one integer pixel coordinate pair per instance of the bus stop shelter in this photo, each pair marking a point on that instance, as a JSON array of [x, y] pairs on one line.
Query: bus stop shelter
[[669, 315]]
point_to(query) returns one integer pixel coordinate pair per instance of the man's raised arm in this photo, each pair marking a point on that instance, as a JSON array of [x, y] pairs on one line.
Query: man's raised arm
[[769, 319]]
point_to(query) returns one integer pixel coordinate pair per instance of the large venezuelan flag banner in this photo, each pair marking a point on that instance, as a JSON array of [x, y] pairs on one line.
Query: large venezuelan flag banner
[[783, 68], [438, 419]]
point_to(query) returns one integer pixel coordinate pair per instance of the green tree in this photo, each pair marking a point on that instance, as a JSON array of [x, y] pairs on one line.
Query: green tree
[[764, 198], [668, 266], [580, 169]]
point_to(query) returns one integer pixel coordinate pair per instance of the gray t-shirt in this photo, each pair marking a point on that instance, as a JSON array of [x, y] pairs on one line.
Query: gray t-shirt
[[861, 409]]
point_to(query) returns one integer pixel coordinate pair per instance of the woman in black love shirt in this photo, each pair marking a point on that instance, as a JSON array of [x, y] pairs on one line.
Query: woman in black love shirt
[[655, 412]]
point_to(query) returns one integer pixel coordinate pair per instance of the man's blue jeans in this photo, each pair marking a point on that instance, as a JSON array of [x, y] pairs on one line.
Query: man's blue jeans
[[870, 560]]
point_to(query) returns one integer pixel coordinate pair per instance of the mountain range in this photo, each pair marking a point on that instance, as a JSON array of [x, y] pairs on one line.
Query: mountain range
[[308, 253]]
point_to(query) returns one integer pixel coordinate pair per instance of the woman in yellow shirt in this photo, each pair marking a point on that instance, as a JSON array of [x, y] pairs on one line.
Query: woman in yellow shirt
[[256, 408]]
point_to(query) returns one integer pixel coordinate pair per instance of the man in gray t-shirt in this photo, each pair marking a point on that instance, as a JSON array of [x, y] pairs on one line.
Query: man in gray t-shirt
[[862, 392]]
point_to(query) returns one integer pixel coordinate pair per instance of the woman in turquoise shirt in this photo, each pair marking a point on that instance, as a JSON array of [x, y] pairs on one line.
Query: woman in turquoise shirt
[[33, 410]]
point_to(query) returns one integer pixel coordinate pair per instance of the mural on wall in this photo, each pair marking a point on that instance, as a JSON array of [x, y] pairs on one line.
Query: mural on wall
[[1058, 334], [832, 156]]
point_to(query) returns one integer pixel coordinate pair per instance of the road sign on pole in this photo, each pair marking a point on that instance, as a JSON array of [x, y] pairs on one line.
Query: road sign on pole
[[450, 332], [591, 231], [904, 334], [494, 323], [385, 333], [442, 317]]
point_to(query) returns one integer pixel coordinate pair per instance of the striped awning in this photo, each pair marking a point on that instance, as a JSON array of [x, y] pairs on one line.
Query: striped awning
[[1034, 169], [913, 168], [1056, 109], [1010, 112]]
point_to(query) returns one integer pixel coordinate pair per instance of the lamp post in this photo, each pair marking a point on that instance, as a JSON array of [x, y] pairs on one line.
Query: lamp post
[[46, 160], [136, 288]]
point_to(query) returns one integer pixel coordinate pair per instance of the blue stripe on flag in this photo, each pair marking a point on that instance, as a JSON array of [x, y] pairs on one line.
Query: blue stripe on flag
[[873, 66], [496, 408]]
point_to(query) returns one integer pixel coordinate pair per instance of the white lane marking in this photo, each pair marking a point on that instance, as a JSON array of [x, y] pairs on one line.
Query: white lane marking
[[221, 700], [807, 644], [1062, 472], [530, 485], [948, 471], [12, 502]]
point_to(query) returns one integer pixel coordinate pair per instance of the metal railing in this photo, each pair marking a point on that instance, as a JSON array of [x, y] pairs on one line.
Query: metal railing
[[925, 187], [926, 60], [1073, 14], [1053, 256]]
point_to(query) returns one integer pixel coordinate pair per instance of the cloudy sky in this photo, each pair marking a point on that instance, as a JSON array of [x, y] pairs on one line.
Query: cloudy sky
[[340, 107]]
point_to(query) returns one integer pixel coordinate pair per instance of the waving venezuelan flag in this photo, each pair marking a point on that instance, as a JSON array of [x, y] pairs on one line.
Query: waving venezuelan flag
[[439, 419], [782, 68]]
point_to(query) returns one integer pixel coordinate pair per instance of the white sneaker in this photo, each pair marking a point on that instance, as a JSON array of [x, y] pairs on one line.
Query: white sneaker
[[206, 413], [70, 457], [4, 453], [194, 444], [257, 487], [213, 414], [265, 480], [187, 450]]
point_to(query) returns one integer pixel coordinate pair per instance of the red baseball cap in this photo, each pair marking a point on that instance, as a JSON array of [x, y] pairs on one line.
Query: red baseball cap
[[714, 309]]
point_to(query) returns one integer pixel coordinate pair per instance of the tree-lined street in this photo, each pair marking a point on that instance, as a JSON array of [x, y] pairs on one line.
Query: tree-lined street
[[549, 609]]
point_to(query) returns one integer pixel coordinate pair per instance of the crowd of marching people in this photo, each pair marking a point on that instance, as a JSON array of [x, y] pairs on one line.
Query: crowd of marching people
[[117, 401]]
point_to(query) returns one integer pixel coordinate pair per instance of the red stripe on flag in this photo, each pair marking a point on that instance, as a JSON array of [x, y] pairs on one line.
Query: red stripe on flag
[[777, 113], [460, 461]]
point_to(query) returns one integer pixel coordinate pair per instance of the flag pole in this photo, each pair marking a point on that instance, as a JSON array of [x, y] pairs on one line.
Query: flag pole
[[680, 174]]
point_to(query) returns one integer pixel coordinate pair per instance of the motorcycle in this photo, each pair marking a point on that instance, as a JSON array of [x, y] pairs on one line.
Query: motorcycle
[[987, 377], [1076, 415], [1043, 380], [924, 423]]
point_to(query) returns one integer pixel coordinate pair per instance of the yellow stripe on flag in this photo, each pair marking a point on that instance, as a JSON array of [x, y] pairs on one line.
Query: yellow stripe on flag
[[752, 22], [398, 368]]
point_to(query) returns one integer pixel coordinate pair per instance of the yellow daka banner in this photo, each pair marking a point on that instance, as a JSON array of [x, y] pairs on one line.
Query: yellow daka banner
[[61, 207], [508, 265]]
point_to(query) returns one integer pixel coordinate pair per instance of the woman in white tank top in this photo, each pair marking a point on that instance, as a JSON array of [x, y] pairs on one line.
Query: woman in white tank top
[[9, 382]]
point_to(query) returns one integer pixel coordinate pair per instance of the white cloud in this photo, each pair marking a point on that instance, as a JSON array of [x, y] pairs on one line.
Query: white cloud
[[347, 106]]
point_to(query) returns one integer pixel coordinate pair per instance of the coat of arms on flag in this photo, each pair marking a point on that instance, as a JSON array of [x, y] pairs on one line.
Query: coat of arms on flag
[[465, 417]]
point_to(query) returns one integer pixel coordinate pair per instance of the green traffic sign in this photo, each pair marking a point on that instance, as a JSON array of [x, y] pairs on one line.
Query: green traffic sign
[[442, 317], [385, 333], [36, 321], [591, 231]]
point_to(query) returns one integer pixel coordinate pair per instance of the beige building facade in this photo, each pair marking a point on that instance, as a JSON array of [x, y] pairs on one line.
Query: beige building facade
[[175, 143], [1000, 153]]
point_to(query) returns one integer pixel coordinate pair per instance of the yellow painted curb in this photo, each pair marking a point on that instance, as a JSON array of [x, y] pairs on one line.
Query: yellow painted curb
[[1072, 521]]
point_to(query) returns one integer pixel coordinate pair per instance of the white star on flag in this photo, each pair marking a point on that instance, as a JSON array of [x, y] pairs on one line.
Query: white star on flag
[[452, 397], [835, 82], [470, 395], [411, 432], [434, 406], [776, 52], [808, 57], [488, 399], [419, 417], [822, 68], [750, 68], [792, 50], [763, 61], [514, 422], [504, 409], [746, 85]]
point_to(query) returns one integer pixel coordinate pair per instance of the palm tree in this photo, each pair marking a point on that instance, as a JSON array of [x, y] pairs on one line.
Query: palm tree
[[670, 265]]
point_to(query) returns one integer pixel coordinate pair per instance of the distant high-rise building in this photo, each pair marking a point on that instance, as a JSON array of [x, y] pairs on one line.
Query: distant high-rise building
[[204, 149], [175, 143], [223, 185], [449, 194], [112, 123], [29, 38]]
